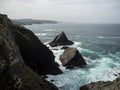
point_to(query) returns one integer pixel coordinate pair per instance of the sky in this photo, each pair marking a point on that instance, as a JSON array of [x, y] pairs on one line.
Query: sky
[[79, 11]]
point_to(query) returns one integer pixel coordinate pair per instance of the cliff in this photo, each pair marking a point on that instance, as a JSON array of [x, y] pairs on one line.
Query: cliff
[[14, 73], [32, 21], [35, 54]]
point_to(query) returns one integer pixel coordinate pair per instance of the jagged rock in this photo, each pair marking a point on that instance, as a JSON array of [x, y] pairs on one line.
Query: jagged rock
[[14, 74], [61, 39], [114, 85], [71, 57], [35, 54]]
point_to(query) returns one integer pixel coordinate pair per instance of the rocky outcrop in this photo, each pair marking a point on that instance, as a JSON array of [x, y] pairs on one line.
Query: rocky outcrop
[[114, 85], [71, 57], [61, 39], [14, 74], [35, 54]]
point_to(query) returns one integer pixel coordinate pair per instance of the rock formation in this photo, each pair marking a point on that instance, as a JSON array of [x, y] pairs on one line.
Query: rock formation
[[61, 39], [36, 55], [14, 74], [71, 57], [114, 85]]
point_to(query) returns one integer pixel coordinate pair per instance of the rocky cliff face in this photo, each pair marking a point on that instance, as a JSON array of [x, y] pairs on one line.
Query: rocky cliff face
[[14, 74], [115, 85], [35, 54]]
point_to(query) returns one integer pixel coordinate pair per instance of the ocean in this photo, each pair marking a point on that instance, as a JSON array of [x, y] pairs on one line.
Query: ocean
[[99, 44]]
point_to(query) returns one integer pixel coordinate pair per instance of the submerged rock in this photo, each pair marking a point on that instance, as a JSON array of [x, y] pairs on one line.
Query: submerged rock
[[71, 57], [14, 74], [64, 47], [61, 39], [114, 85]]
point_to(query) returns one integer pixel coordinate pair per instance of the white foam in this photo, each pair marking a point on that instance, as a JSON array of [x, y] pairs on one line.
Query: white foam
[[77, 43], [103, 71], [40, 34], [73, 79], [101, 37], [49, 30]]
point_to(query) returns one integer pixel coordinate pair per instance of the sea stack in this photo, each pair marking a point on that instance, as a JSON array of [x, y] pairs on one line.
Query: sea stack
[[71, 57], [60, 39]]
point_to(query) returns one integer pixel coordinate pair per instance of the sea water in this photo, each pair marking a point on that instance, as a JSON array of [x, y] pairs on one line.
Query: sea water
[[98, 43]]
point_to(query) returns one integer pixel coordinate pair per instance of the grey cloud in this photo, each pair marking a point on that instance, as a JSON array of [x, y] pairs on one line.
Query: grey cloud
[[86, 11]]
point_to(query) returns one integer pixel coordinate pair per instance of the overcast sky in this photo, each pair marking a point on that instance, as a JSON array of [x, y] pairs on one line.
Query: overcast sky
[[83, 11]]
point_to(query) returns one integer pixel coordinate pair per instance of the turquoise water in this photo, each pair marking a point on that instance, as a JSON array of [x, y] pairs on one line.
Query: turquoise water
[[98, 43]]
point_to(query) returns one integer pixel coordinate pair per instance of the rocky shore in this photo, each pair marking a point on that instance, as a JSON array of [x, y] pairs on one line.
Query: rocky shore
[[19, 59], [24, 59], [114, 85]]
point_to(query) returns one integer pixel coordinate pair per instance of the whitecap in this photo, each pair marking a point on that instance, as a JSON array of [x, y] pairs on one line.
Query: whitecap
[[102, 69], [40, 34], [101, 37], [49, 30]]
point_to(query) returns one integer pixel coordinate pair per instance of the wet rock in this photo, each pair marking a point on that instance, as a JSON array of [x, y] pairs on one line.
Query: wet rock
[[114, 85], [71, 57], [64, 47], [60, 39]]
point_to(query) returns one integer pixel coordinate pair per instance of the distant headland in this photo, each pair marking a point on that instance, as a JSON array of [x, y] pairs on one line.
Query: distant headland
[[32, 21]]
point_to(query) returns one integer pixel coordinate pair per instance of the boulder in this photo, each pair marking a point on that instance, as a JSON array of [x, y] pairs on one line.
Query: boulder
[[60, 39], [71, 57], [14, 74], [114, 85], [34, 53]]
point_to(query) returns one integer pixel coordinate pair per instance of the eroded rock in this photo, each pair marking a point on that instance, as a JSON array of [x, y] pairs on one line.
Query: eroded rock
[[114, 85], [60, 39], [71, 57]]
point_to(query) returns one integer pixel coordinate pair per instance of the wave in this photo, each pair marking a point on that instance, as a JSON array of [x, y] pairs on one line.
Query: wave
[[48, 30], [101, 37], [73, 79], [94, 71], [40, 34]]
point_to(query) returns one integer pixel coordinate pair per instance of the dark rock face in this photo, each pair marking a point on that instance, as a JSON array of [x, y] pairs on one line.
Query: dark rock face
[[61, 39], [115, 85], [71, 57], [14, 74], [35, 54]]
